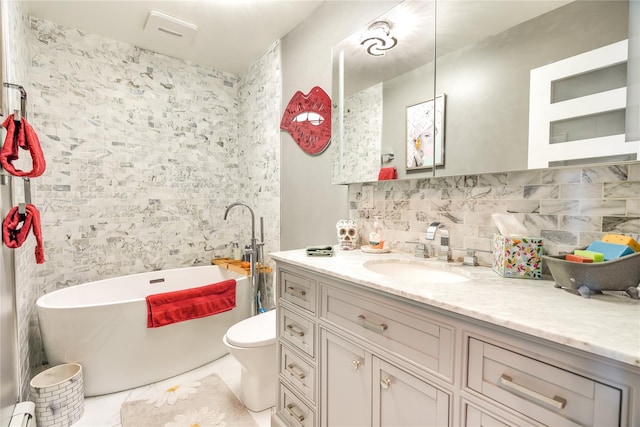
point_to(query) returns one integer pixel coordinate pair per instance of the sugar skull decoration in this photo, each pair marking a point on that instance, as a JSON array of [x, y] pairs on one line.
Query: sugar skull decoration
[[348, 234], [307, 118]]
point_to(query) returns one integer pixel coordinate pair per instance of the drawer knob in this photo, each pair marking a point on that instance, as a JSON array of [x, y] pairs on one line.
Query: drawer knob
[[555, 401], [297, 417], [372, 326], [385, 383], [293, 370], [297, 291], [295, 331], [356, 364]]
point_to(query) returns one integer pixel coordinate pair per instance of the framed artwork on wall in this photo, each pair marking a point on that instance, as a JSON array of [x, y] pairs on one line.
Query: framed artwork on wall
[[425, 134]]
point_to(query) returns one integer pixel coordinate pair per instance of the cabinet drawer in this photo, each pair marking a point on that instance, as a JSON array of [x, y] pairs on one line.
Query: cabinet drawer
[[543, 392], [394, 326], [298, 290], [294, 411], [297, 331], [297, 372], [477, 418]]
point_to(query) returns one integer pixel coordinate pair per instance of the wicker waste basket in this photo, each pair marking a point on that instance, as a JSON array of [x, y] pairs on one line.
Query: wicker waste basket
[[58, 393]]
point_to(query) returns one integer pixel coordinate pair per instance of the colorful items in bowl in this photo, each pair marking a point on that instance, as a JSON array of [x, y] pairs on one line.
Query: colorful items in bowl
[[621, 274]]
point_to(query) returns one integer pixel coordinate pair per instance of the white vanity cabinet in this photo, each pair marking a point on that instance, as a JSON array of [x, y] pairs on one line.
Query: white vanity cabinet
[[364, 342], [351, 355], [360, 389]]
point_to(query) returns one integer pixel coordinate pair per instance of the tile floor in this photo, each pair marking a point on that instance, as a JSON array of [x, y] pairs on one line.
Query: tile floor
[[104, 411]]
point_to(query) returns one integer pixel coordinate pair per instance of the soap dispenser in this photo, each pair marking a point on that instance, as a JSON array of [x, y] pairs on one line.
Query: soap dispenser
[[376, 237]]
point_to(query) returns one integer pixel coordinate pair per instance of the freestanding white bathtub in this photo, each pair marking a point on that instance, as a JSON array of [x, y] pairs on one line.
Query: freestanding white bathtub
[[102, 325]]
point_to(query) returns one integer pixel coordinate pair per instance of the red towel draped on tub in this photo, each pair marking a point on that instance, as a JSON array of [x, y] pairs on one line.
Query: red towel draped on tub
[[21, 135], [172, 307]]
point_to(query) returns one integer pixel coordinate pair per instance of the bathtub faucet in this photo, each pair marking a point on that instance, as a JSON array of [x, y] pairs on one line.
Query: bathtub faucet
[[253, 253]]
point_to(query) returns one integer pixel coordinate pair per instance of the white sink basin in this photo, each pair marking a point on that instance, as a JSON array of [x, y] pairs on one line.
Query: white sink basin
[[408, 270]]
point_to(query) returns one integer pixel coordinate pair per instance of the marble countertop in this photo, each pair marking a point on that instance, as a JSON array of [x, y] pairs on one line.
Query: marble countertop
[[607, 325]]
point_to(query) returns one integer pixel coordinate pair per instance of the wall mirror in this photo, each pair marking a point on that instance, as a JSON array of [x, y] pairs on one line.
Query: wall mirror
[[372, 85], [562, 65]]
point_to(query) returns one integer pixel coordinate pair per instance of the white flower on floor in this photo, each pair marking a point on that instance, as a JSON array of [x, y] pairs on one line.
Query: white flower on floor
[[199, 418], [173, 394]]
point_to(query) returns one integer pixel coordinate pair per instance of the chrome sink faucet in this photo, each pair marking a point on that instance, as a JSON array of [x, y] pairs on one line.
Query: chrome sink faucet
[[444, 253]]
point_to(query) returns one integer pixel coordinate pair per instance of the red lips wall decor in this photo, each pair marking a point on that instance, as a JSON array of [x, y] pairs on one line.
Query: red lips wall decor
[[307, 118]]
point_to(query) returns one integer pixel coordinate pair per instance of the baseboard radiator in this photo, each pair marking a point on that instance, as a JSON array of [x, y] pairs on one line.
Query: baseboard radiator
[[23, 415]]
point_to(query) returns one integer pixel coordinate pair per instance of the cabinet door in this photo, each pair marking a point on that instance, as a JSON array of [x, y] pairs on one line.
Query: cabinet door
[[401, 399], [346, 383]]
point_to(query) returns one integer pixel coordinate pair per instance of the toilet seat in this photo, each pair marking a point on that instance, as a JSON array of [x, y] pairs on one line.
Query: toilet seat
[[256, 331]]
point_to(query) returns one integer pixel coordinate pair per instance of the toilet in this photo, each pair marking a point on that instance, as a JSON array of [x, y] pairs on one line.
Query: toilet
[[252, 342]]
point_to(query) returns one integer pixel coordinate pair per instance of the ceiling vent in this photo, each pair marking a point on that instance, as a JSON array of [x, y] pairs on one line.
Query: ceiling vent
[[167, 28]]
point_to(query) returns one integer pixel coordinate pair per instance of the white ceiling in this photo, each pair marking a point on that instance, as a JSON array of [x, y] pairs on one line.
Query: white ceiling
[[231, 33]]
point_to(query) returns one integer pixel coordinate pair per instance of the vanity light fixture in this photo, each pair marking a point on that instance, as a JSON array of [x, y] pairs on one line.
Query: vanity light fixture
[[378, 38]]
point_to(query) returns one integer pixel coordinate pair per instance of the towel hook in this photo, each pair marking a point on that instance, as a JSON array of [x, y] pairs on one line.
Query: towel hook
[[22, 207], [389, 156], [17, 117], [27, 190], [23, 99]]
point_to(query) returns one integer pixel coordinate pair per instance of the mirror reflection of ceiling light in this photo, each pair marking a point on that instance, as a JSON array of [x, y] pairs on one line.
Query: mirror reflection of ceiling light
[[378, 38]]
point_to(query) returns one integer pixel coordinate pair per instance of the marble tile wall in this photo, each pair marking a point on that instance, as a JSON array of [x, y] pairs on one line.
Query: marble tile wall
[[568, 207], [142, 157], [144, 154]]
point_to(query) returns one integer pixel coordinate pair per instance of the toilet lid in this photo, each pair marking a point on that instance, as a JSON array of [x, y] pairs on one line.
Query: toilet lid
[[255, 331]]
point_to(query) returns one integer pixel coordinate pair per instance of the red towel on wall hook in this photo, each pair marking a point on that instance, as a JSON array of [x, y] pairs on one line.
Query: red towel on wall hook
[[387, 173], [21, 135], [14, 234]]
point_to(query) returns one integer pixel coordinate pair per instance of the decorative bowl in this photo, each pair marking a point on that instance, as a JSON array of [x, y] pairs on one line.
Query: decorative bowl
[[622, 274]]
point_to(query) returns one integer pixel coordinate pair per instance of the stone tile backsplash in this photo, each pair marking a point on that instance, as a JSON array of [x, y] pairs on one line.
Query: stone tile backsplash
[[567, 207]]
